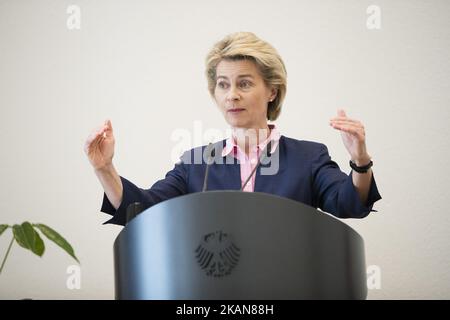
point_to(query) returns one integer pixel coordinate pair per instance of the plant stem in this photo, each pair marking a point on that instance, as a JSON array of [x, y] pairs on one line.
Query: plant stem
[[6, 255]]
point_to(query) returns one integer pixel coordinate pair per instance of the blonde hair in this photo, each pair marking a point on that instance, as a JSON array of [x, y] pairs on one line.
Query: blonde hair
[[247, 46]]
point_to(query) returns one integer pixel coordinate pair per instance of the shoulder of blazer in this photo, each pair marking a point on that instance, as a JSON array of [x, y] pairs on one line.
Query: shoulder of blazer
[[190, 155], [303, 147]]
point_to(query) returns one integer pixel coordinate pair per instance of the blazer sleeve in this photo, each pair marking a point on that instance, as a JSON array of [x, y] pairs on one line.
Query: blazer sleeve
[[174, 184], [334, 192]]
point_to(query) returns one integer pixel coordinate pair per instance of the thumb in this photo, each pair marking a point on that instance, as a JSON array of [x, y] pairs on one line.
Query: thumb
[[109, 125], [341, 113]]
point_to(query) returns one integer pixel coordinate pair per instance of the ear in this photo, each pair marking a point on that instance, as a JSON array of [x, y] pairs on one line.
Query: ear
[[273, 93]]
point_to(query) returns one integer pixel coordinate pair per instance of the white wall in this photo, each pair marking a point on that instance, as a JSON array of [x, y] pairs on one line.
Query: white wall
[[140, 63]]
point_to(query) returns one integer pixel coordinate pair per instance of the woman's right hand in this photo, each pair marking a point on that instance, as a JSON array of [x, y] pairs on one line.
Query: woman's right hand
[[99, 146]]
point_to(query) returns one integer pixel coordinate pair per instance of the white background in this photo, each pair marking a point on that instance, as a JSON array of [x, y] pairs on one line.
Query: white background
[[141, 64]]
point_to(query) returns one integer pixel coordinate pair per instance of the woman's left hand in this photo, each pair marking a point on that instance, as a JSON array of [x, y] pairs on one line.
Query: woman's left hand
[[354, 137]]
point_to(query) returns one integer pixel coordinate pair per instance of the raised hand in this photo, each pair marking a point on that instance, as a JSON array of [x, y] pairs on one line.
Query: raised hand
[[353, 135], [99, 146]]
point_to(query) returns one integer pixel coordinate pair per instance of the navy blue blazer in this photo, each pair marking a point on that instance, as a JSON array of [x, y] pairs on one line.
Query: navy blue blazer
[[306, 174]]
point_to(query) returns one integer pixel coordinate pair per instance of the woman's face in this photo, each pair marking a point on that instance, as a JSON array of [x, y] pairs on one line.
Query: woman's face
[[241, 94]]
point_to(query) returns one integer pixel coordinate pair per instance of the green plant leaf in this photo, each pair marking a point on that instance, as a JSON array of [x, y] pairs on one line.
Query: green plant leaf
[[37, 245], [28, 238], [3, 227], [56, 238], [20, 237]]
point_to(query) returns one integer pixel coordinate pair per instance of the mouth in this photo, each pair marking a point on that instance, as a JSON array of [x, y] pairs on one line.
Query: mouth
[[235, 110]]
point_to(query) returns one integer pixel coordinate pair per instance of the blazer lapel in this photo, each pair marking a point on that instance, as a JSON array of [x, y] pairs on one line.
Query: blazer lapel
[[229, 172], [267, 174]]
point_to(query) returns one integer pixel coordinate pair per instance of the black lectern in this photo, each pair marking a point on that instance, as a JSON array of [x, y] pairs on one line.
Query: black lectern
[[238, 245]]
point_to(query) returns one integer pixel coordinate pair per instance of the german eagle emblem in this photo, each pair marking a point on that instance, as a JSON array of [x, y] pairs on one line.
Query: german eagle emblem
[[217, 254]]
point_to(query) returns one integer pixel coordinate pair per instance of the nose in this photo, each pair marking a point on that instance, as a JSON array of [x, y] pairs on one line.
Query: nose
[[233, 95]]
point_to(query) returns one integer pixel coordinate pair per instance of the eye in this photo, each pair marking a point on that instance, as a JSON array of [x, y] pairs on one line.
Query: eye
[[222, 85], [245, 84]]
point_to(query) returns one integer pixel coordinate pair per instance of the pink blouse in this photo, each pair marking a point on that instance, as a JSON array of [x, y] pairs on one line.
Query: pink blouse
[[249, 162]]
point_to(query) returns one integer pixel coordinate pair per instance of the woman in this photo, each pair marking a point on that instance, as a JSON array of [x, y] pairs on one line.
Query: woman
[[247, 80]]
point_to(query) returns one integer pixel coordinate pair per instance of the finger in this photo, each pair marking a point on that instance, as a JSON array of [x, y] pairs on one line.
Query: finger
[[109, 125], [355, 125], [89, 145], [343, 118], [348, 125], [341, 113], [93, 136], [108, 132], [95, 146], [352, 130], [102, 131], [339, 118], [348, 121], [96, 136], [92, 142]]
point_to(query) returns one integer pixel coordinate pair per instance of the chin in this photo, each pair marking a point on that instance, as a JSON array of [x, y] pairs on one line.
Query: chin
[[237, 124]]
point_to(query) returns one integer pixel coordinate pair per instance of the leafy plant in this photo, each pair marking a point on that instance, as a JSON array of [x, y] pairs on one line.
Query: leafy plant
[[27, 237]]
